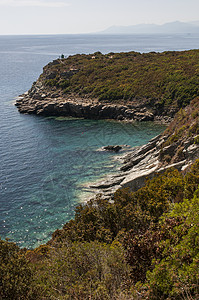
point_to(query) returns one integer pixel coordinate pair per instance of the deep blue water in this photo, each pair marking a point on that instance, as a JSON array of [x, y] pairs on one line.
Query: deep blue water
[[44, 162]]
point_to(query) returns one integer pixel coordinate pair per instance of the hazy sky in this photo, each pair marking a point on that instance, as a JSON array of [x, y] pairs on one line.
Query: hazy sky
[[82, 16]]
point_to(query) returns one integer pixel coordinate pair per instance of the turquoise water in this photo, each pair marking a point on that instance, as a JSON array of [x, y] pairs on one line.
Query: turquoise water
[[44, 162], [45, 177]]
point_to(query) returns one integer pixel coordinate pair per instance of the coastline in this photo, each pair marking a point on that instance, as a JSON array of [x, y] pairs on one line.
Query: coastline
[[37, 101], [93, 187], [143, 163]]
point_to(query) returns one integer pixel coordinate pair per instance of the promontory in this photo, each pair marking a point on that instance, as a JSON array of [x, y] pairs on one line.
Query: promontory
[[132, 86]]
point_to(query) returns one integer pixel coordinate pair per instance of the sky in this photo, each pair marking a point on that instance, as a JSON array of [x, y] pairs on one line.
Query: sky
[[87, 16]]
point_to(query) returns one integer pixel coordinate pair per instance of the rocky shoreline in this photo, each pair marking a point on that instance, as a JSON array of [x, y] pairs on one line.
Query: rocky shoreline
[[142, 163], [42, 100]]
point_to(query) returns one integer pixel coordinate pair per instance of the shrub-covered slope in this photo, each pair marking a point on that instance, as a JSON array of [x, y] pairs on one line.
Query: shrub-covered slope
[[182, 135], [145, 245], [161, 79]]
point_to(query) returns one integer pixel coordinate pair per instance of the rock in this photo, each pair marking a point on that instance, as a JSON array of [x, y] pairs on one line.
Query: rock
[[143, 116], [108, 183], [113, 148], [135, 180], [120, 118], [129, 113]]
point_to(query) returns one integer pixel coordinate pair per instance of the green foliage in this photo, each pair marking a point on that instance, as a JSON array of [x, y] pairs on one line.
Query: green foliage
[[184, 126], [16, 274], [176, 274], [192, 180], [133, 219], [83, 270], [52, 82], [196, 140], [144, 247], [101, 220], [165, 79], [64, 83]]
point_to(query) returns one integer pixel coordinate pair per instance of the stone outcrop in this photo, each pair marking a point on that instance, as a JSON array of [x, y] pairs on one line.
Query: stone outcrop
[[47, 101], [143, 163], [56, 105]]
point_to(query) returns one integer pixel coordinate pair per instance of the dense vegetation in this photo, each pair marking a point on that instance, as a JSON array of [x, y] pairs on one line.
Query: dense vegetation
[[144, 244], [159, 79]]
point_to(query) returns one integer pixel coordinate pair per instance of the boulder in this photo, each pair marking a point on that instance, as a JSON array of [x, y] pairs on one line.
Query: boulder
[[113, 148]]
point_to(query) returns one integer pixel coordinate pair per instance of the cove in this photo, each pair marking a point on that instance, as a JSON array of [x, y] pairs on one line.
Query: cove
[[54, 159]]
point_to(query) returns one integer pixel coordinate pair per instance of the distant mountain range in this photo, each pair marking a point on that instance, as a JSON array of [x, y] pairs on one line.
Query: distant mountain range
[[172, 27]]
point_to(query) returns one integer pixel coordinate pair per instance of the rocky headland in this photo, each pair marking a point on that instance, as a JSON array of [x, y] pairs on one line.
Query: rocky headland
[[123, 86]]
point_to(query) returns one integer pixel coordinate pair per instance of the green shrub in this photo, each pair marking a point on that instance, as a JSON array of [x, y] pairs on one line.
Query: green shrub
[[196, 140], [176, 274], [16, 274], [84, 271]]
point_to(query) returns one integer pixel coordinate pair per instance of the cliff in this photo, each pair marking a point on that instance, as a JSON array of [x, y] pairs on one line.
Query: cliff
[[119, 86]]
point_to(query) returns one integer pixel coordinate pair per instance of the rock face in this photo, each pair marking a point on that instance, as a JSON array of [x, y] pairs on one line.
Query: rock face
[[46, 101], [55, 105]]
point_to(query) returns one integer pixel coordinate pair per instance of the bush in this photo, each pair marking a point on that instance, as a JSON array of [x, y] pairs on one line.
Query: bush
[[176, 274], [16, 274], [84, 271]]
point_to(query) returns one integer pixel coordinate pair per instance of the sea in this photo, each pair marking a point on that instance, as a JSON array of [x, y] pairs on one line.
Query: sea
[[46, 162]]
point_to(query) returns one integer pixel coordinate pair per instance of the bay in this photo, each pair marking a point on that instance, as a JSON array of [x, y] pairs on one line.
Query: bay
[[45, 161]]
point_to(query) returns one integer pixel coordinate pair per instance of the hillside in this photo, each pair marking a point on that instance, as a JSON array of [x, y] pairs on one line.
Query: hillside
[[116, 85]]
